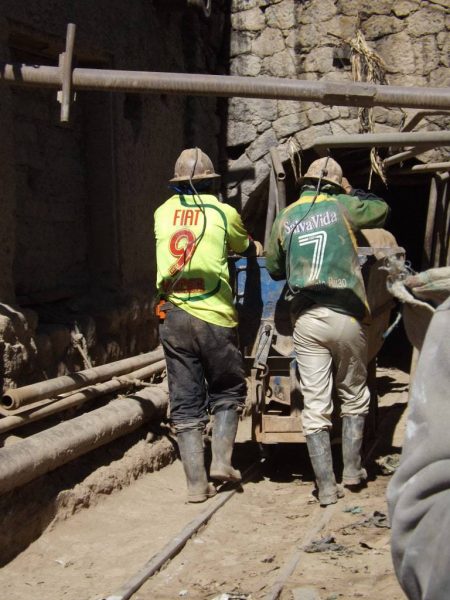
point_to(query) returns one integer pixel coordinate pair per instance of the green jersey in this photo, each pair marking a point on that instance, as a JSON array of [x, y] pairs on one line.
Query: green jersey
[[193, 236], [313, 246]]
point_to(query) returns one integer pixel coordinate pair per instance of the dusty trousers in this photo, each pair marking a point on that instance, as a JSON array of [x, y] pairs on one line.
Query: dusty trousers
[[330, 347], [204, 367]]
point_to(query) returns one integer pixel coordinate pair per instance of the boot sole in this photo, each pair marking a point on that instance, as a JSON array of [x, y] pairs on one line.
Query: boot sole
[[197, 498], [225, 477], [334, 498], [353, 481]]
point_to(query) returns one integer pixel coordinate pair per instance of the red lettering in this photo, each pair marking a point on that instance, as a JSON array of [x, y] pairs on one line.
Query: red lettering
[[182, 246], [178, 215], [186, 217]]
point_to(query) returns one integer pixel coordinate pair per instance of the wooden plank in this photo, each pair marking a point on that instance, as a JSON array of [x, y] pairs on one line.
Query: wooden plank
[[276, 424], [292, 437]]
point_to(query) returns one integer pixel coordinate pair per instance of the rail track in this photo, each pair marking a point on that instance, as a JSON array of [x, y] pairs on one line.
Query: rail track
[[318, 525], [265, 540]]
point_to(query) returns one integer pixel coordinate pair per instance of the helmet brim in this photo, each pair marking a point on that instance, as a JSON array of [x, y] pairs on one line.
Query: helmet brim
[[306, 179], [195, 178]]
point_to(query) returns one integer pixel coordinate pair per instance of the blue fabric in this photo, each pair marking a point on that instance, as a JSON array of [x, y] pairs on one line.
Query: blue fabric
[[186, 189]]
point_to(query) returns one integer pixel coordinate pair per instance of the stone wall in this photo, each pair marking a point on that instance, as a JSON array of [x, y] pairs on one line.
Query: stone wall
[[306, 39], [51, 216], [77, 247]]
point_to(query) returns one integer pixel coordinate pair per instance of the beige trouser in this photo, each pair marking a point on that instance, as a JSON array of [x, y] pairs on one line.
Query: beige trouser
[[328, 343]]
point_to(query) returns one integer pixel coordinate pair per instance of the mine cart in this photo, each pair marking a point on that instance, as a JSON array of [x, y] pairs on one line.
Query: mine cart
[[265, 335]]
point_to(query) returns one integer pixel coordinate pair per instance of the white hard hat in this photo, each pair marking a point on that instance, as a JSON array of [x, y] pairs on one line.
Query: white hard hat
[[326, 169], [193, 164]]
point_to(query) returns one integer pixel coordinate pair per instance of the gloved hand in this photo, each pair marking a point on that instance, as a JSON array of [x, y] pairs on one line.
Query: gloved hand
[[259, 248]]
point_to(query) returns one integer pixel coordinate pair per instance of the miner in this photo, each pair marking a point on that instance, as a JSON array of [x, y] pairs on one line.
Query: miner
[[313, 247], [194, 233]]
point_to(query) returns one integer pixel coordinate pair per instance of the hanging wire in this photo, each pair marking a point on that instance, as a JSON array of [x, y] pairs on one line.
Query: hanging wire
[[199, 203]]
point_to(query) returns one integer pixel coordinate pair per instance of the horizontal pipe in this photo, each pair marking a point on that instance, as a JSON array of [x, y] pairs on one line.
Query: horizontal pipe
[[438, 166], [379, 140], [195, 84], [101, 389], [14, 398], [52, 448], [402, 156]]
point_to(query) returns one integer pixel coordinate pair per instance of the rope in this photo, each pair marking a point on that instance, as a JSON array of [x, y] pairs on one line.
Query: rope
[[398, 270], [295, 156], [80, 344], [132, 381], [368, 66]]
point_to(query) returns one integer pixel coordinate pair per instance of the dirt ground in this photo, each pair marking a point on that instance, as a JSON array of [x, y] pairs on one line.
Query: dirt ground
[[244, 546]]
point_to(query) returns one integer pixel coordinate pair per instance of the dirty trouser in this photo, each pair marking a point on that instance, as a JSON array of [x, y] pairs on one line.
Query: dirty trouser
[[326, 343], [204, 367]]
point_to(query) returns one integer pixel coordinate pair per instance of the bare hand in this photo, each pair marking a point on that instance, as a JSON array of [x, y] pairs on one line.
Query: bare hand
[[259, 248], [346, 185]]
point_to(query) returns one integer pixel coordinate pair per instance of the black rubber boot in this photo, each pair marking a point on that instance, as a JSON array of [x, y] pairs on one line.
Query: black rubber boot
[[190, 444], [352, 437], [223, 435], [319, 449]]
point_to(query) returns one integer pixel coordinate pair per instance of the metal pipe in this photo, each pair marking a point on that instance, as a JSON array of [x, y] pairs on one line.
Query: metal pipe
[[281, 185], [415, 119], [277, 164], [442, 226], [402, 156], [77, 399], [49, 449], [370, 140], [445, 197], [271, 207], [429, 227], [320, 519], [195, 84], [280, 175], [14, 398], [172, 548], [66, 73], [425, 168]]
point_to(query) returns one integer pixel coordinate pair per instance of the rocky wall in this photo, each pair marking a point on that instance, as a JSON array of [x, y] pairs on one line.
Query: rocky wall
[[308, 39], [54, 339]]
